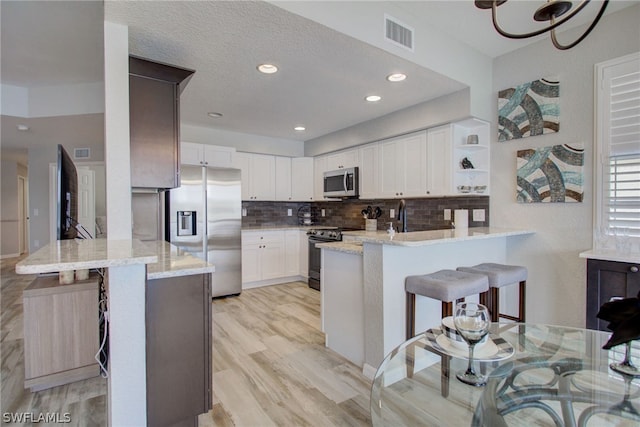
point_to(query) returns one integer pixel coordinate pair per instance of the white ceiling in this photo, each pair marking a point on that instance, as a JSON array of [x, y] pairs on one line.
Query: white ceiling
[[324, 74]]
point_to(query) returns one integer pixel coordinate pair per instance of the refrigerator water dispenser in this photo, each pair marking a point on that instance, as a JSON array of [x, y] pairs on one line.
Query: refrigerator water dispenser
[[187, 223]]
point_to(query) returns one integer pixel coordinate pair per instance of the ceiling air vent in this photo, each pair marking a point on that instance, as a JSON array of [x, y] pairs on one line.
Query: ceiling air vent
[[398, 33], [81, 153]]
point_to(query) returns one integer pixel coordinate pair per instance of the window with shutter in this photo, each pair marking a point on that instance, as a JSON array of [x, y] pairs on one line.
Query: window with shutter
[[618, 147]]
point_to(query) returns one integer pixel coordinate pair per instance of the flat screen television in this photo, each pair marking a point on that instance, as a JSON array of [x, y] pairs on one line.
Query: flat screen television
[[67, 197]]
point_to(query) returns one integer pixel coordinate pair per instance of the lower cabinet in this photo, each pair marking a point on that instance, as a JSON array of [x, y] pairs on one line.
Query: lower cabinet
[[60, 332], [273, 256], [178, 318], [607, 280]]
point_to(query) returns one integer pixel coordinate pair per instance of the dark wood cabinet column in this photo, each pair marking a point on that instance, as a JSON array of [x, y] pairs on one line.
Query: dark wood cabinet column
[[607, 280]]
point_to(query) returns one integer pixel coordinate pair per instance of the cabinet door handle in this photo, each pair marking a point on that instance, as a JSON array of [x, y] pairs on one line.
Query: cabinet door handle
[[633, 269]]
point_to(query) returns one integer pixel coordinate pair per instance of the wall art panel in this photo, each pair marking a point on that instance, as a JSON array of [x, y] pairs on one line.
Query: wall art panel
[[550, 174], [529, 109]]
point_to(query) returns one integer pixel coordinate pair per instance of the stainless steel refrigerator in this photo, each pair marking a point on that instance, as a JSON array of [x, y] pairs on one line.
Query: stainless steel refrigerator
[[204, 218]]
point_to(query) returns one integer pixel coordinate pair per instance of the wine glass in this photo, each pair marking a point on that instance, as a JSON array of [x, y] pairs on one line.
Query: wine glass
[[472, 322], [626, 367]]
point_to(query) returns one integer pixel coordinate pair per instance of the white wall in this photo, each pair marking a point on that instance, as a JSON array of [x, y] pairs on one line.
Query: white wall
[[442, 110], [241, 141], [556, 291], [38, 160]]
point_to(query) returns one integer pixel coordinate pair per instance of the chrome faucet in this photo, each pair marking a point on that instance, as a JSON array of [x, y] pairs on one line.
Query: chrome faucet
[[402, 215]]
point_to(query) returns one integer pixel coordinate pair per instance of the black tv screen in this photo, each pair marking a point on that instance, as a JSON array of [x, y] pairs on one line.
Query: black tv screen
[[67, 196]]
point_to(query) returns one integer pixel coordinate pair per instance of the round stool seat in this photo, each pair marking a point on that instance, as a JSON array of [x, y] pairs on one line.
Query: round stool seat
[[447, 285], [499, 275]]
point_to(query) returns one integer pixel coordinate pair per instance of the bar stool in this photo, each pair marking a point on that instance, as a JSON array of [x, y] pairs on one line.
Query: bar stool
[[446, 286], [501, 275]]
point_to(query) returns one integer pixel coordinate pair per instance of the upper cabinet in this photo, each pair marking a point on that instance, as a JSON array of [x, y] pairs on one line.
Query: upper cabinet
[[369, 184], [294, 179], [471, 156], [258, 176], [439, 154], [302, 189], [402, 170], [343, 159], [206, 155], [154, 117]]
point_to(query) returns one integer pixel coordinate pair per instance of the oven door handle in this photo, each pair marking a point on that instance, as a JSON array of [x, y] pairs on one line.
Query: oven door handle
[[344, 181]]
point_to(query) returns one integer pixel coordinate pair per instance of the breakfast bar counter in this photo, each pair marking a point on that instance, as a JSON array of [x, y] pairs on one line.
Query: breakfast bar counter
[[137, 273], [387, 259]]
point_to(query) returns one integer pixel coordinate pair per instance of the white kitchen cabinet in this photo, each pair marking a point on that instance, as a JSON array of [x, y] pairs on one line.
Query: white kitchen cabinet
[[303, 254], [319, 168], [263, 255], [343, 159], [205, 154], [302, 179], [402, 166], [439, 152], [369, 185], [283, 178], [478, 154], [258, 176], [294, 179], [292, 248]]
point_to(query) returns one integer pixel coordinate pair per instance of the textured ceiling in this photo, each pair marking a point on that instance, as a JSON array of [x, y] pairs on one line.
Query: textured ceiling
[[323, 79]]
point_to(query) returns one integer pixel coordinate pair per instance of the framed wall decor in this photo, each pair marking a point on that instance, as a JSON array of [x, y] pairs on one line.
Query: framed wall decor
[[529, 109], [550, 174]]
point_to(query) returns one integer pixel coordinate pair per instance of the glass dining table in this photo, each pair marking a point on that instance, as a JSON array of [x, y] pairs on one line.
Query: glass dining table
[[537, 375]]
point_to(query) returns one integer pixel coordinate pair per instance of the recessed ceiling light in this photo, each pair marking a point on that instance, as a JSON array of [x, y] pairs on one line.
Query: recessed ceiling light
[[299, 128], [396, 77], [214, 114], [267, 68], [23, 128], [373, 98]]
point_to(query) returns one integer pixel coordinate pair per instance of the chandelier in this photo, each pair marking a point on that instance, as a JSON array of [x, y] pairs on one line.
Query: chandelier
[[556, 12]]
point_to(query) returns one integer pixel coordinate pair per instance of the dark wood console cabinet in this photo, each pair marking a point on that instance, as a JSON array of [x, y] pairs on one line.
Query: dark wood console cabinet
[[606, 280], [178, 317]]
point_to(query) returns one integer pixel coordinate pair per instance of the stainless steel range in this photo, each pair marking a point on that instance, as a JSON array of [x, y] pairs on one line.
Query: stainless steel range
[[317, 236]]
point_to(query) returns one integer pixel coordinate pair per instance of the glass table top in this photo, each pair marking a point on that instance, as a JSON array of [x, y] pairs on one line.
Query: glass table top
[[537, 375]]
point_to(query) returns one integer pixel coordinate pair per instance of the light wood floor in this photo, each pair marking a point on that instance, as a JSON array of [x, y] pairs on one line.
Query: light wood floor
[[270, 366]]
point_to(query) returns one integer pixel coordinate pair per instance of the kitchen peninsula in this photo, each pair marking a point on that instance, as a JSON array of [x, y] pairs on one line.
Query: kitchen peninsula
[[140, 278], [388, 259]]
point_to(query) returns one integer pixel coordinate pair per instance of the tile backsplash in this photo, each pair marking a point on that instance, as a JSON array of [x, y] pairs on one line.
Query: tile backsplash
[[422, 214]]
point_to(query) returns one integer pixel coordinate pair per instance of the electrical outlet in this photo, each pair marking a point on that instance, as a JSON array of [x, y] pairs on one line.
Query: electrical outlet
[[322, 212], [36, 243], [447, 214], [392, 213], [36, 212], [244, 211], [289, 212], [478, 215]]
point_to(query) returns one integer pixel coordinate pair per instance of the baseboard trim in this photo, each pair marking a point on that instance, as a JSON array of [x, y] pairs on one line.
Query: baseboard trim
[[276, 281], [5, 256]]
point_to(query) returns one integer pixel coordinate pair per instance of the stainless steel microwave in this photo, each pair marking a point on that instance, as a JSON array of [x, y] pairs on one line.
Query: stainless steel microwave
[[341, 183]]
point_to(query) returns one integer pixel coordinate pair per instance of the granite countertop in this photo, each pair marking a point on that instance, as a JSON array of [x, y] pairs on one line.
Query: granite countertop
[[346, 247], [65, 255], [611, 255], [434, 237], [174, 262]]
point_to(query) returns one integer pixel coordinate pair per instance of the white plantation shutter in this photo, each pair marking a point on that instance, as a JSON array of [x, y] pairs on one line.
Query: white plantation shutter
[[619, 141]]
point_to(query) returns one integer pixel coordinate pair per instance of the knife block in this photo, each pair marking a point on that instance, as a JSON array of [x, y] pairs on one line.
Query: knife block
[[371, 225]]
